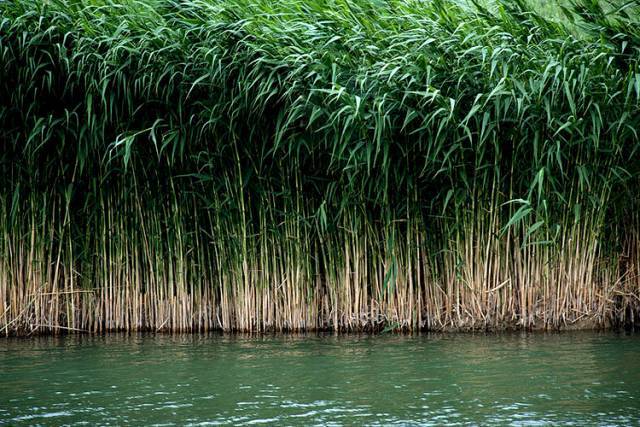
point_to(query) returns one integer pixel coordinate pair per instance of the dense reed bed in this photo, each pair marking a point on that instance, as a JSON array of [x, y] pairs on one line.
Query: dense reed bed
[[252, 165]]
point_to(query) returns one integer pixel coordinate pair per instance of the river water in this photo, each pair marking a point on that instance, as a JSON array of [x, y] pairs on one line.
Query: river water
[[581, 378]]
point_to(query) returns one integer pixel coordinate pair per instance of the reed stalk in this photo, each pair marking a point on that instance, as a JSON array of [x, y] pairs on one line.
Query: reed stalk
[[246, 165]]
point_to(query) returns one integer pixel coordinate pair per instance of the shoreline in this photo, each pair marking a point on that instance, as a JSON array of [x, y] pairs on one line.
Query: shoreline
[[380, 328]]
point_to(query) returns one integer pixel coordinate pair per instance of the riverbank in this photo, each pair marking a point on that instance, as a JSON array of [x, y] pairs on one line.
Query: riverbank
[[318, 165]]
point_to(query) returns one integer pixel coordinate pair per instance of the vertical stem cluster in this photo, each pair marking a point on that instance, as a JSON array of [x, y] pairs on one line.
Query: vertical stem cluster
[[318, 164]]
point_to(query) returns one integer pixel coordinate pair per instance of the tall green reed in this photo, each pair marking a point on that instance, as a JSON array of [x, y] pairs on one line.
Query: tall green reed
[[240, 164]]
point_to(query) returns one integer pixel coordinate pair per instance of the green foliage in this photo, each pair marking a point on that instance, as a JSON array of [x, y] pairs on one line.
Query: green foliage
[[255, 114]]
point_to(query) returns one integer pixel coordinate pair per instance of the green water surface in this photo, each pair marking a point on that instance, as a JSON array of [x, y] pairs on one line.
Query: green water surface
[[517, 379]]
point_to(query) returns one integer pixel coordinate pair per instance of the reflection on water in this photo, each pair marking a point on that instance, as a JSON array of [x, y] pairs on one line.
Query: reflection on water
[[570, 378]]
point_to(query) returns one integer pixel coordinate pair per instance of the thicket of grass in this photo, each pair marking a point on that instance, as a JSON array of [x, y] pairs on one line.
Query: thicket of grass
[[248, 164]]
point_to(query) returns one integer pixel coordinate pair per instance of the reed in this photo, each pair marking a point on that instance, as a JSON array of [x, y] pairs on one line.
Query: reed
[[190, 165]]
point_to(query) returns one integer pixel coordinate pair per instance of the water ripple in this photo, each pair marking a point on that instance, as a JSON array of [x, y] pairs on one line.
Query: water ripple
[[199, 380]]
